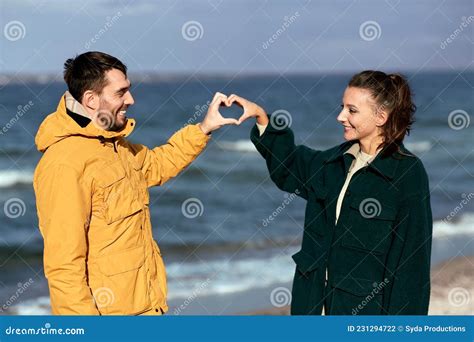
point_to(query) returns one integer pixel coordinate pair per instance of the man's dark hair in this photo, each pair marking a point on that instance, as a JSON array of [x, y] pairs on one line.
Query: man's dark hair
[[87, 72]]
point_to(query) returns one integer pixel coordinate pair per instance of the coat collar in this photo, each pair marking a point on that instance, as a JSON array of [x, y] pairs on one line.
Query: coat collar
[[384, 165], [61, 124]]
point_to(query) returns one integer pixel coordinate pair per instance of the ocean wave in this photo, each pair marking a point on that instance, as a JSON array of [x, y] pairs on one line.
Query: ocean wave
[[34, 306], [238, 146], [457, 227], [223, 276], [9, 178], [248, 146], [419, 146], [190, 280], [227, 275], [463, 226]]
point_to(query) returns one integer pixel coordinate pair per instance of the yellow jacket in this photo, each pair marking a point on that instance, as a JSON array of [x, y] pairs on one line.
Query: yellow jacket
[[91, 189]]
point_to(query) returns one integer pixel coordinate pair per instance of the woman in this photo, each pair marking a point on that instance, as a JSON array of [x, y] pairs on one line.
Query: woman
[[368, 225]]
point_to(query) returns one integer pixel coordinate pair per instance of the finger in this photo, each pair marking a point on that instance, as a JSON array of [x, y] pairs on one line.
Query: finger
[[218, 96], [217, 101], [243, 117], [237, 99], [229, 121], [228, 102]]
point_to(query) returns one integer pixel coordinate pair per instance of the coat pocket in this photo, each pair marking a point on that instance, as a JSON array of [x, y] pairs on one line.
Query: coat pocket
[[124, 288], [353, 296], [316, 211], [161, 270], [306, 294], [370, 224], [120, 198], [142, 184]]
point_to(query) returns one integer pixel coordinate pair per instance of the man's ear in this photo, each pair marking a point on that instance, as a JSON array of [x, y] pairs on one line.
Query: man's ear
[[90, 100]]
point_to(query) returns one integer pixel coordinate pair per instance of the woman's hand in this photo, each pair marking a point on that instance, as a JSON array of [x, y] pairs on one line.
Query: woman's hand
[[250, 109], [214, 120]]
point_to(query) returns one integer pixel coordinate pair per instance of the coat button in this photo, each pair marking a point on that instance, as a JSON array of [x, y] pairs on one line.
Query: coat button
[[348, 193]]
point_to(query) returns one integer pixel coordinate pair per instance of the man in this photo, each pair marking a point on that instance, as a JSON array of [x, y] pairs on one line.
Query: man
[[91, 187]]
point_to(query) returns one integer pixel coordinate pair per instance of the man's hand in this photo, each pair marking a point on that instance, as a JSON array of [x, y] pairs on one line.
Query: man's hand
[[214, 120], [250, 109]]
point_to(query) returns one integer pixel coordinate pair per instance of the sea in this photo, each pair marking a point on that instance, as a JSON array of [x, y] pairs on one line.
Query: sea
[[224, 255]]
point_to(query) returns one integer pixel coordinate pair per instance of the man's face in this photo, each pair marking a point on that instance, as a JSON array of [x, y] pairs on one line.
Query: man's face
[[114, 101]]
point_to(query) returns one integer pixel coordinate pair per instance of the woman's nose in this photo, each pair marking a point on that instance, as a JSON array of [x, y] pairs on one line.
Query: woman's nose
[[341, 117]]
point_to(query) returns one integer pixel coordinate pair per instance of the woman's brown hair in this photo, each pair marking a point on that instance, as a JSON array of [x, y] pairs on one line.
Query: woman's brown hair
[[391, 93]]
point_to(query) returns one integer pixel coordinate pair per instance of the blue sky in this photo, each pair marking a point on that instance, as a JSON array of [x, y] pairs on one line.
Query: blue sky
[[319, 36]]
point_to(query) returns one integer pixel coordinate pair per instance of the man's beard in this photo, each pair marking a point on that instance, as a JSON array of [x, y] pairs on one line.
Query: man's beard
[[108, 120]]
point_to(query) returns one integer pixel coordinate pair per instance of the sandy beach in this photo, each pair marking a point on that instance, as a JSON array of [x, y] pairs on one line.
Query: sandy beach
[[452, 289]]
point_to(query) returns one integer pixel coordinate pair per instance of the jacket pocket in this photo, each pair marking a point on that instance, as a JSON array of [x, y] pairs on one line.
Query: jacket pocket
[[120, 198], [369, 225], [316, 211], [142, 184], [306, 295], [124, 288], [161, 270], [353, 296]]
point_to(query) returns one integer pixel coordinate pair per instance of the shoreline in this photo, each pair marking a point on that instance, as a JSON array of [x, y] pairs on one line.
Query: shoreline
[[452, 293], [452, 290]]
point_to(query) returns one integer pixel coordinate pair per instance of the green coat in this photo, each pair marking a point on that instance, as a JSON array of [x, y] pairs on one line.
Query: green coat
[[378, 255]]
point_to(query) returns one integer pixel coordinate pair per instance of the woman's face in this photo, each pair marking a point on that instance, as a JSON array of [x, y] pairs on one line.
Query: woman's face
[[358, 115]]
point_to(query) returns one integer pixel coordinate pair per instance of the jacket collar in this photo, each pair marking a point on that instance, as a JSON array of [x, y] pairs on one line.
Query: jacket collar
[[85, 126], [384, 165], [64, 123]]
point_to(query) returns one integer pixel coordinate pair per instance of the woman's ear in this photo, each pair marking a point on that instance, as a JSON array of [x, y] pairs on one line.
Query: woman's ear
[[381, 116], [90, 100]]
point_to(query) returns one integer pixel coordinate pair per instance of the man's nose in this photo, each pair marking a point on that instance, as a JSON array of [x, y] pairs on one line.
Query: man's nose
[[129, 99]]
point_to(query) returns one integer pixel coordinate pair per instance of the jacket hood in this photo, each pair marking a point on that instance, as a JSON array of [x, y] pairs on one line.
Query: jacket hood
[[59, 125]]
